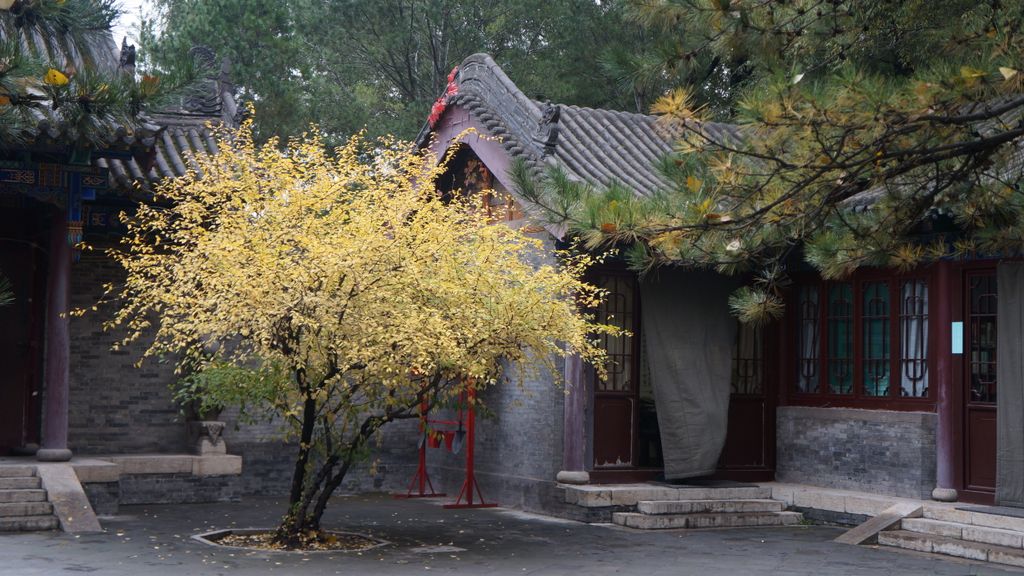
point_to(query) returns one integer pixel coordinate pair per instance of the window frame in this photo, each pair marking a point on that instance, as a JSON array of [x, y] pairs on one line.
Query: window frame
[[823, 396]]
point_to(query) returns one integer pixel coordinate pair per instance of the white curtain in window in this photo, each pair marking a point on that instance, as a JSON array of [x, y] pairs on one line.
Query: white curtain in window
[[807, 369], [914, 339]]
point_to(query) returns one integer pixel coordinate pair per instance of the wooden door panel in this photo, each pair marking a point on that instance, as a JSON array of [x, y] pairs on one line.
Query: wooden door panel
[[18, 352], [978, 393], [613, 432], [980, 462], [745, 445]]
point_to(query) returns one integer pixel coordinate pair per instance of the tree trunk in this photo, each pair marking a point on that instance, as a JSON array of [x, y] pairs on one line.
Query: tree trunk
[[292, 525]]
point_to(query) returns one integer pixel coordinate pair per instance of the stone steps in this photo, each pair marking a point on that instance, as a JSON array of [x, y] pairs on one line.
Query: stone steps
[[28, 523], [709, 506], [17, 471], [974, 518], [969, 532], [27, 495], [705, 520], [25, 509], [24, 505], [598, 495], [949, 546], [20, 483]]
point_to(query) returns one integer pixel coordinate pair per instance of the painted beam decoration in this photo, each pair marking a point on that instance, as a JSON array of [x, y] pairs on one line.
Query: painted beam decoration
[[60, 185]]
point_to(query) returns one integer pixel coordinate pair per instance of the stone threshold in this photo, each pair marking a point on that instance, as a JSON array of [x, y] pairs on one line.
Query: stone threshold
[[109, 468], [851, 502]]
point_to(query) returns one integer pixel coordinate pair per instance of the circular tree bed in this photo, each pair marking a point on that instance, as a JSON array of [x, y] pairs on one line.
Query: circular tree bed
[[262, 539]]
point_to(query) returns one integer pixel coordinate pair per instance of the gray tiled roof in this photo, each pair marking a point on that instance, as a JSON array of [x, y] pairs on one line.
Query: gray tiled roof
[[595, 146], [170, 136], [182, 131]]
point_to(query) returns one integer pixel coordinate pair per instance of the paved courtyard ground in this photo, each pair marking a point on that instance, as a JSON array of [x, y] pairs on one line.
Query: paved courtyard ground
[[426, 539]]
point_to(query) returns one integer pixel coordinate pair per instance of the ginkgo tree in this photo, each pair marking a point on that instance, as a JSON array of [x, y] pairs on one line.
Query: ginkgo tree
[[347, 289]]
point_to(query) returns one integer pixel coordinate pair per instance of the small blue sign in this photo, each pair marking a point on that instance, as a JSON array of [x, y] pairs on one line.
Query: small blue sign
[[958, 337]]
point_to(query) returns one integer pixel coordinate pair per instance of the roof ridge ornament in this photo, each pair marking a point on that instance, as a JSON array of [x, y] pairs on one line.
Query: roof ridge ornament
[[547, 130]]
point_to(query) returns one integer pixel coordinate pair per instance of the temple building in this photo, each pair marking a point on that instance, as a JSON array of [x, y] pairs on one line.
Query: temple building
[[884, 382]]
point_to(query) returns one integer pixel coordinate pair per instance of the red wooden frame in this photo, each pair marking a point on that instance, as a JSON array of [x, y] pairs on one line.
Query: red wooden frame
[[858, 399], [958, 296], [631, 471]]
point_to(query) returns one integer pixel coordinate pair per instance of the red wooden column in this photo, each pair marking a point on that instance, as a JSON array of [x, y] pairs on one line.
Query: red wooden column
[[58, 351], [574, 432], [945, 471]]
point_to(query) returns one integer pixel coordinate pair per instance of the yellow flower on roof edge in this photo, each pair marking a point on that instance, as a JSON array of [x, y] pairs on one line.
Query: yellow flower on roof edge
[[55, 77]]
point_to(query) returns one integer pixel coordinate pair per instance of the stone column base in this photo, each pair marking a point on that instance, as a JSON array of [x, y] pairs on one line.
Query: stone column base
[[53, 455], [944, 494], [573, 477]]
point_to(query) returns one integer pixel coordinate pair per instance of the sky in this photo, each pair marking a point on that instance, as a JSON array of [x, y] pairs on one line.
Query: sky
[[128, 24]]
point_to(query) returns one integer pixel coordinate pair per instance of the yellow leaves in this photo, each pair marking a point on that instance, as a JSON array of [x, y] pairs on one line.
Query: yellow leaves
[[1008, 73], [320, 260], [55, 77], [693, 183]]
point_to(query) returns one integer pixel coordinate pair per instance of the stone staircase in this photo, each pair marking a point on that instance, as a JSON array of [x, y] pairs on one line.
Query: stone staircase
[[963, 533], [23, 502], [660, 507]]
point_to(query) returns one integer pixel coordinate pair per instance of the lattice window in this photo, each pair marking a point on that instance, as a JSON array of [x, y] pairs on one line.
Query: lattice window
[[617, 310], [875, 361], [875, 332], [808, 340], [982, 319], [840, 338], [914, 339], [748, 360]]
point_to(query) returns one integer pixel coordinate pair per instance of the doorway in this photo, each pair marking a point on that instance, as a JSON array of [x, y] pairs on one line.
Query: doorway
[[979, 393], [749, 451], [627, 443], [23, 264]]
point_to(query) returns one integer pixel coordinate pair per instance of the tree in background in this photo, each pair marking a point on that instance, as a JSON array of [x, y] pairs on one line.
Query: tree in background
[[348, 291], [880, 133], [380, 64]]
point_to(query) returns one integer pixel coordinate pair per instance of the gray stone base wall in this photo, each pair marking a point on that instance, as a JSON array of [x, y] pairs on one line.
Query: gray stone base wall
[[103, 496], [267, 464], [178, 489], [877, 451]]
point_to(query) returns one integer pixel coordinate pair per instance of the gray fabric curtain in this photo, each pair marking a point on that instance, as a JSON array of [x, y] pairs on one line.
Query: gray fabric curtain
[[690, 338], [1010, 383]]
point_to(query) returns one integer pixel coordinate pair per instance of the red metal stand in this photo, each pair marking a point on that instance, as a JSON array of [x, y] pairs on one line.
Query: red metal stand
[[422, 479], [470, 485]]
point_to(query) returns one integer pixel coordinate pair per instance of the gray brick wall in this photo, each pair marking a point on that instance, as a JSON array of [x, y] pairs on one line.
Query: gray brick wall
[[178, 489], [869, 450], [114, 407], [519, 446], [267, 461]]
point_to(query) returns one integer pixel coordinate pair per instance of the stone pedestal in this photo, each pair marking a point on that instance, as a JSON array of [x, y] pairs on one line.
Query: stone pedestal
[[573, 477], [205, 437]]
